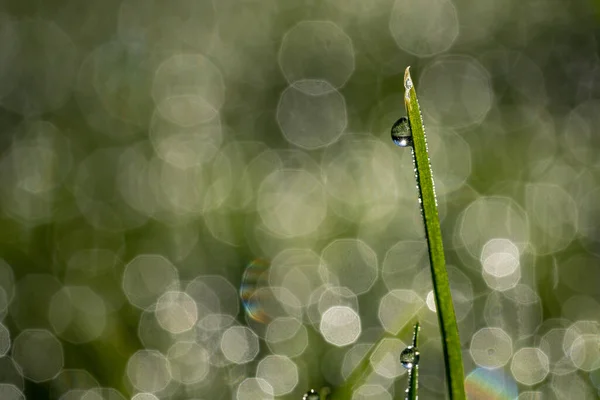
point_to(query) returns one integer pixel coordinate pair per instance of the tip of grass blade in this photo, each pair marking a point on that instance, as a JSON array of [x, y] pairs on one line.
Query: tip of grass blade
[[408, 85]]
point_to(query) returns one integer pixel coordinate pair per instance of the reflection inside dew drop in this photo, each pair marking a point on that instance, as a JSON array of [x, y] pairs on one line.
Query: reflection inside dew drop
[[401, 133], [409, 357], [254, 277]]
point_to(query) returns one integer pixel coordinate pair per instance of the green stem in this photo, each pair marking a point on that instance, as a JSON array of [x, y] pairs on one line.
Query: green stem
[[433, 234]]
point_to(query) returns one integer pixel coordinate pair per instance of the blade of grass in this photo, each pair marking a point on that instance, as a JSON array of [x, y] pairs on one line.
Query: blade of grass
[[433, 234]]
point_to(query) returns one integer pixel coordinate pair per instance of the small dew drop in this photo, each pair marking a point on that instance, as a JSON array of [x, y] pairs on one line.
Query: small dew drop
[[401, 133], [409, 357], [408, 84], [311, 395]]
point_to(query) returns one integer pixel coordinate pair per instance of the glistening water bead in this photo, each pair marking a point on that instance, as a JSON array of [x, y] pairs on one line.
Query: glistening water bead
[[401, 133], [409, 357], [311, 395]]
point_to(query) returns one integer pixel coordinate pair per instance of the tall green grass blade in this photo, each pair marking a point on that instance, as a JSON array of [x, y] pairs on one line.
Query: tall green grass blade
[[433, 234]]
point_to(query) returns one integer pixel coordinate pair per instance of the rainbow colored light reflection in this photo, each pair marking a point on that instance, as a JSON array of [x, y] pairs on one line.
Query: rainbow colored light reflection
[[255, 277], [490, 385]]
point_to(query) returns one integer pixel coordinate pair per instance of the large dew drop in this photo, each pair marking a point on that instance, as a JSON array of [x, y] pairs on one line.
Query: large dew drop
[[311, 395], [409, 357], [401, 133]]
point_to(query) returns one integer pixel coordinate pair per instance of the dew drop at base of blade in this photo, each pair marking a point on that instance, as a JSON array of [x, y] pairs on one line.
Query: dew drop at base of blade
[[409, 357], [401, 133], [311, 395]]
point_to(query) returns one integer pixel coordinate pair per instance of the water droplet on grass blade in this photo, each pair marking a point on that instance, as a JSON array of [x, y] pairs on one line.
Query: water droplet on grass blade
[[401, 133], [409, 357], [311, 395]]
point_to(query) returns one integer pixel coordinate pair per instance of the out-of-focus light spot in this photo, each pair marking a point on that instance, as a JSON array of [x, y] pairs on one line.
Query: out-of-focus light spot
[[146, 278], [419, 30], [371, 392], [77, 314], [577, 330], [585, 352], [11, 373], [10, 392], [490, 384], [500, 257], [176, 312], [7, 285], [340, 326], [102, 393], [491, 348], [287, 336], [553, 213], [579, 136], [280, 372], [239, 344], [530, 366], [186, 146], [335, 296], [254, 388], [34, 169], [189, 362], [144, 396], [292, 203], [215, 293], [317, 50], [188, 89], [397, 308], [466, 88], [149, 371], [450, 159], [297, 270], [430, 301], [552, 345], [353, 357], [4, 340], [362, 178], [572, 386], [350, 263], [386, 358], [401, 261], [39, 354], [531, 395], [489, 218], [518, 311], [309, 120], [70, 379]]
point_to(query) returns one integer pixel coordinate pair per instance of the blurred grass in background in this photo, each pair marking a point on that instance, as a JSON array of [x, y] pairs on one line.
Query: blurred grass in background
[[200, 199]]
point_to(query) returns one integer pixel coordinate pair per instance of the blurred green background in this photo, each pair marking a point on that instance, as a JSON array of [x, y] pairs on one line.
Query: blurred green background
[[200, 199]]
